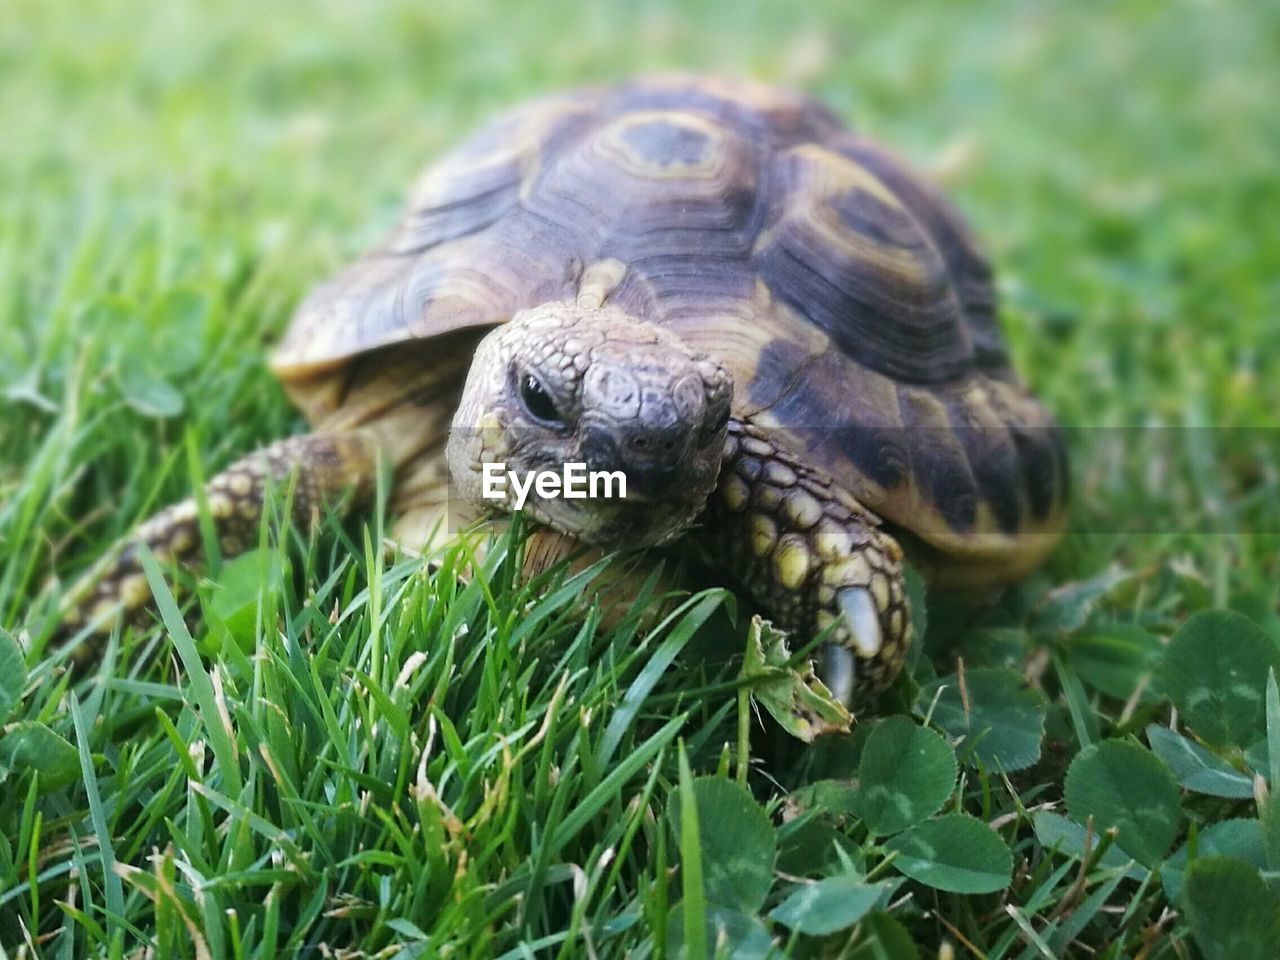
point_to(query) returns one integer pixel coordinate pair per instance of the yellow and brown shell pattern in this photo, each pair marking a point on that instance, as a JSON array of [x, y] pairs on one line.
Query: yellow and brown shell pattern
[[845, 296]]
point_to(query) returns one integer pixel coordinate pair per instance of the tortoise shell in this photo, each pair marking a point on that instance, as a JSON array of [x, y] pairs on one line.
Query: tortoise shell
[[847, 299]]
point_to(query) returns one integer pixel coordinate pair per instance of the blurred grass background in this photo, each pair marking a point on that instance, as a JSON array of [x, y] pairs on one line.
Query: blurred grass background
[[174, 176]]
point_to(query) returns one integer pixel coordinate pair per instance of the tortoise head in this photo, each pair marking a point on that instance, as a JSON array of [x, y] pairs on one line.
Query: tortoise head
[[609, 393]]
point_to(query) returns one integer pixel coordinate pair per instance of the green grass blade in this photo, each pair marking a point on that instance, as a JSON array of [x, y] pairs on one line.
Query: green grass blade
[[693, 613], [693, 904], [106, 846], [212, 716]]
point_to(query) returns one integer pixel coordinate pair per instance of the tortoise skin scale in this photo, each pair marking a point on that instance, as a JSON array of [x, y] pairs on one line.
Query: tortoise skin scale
[[845, 297]]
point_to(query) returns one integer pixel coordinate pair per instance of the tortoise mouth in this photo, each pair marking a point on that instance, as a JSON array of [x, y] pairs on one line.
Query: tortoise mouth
[[636, 522]]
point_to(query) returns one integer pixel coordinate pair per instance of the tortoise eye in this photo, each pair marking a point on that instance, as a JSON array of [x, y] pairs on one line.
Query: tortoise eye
[[537, 401]]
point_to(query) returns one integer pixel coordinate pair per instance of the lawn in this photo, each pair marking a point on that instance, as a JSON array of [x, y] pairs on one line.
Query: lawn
[[348, 756]]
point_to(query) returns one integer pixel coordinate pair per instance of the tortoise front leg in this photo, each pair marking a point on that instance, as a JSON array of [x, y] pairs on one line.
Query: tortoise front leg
[[814, 557], [327, 467]]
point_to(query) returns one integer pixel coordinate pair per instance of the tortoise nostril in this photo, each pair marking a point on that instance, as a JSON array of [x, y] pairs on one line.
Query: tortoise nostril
[[643, 443], [653, 442]]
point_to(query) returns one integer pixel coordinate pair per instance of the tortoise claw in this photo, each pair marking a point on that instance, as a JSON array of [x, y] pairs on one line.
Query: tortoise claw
[[859, 637], [863, 621], [839, 672]]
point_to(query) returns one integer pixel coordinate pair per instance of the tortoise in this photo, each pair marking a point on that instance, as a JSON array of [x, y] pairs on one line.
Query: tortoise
[[783, 338]]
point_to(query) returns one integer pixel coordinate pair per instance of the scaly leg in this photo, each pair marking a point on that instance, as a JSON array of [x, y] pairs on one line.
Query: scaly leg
[[814, 557], [327, 466]]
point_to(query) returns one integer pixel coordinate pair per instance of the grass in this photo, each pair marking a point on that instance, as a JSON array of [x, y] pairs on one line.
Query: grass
[[360, 759]]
